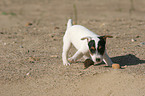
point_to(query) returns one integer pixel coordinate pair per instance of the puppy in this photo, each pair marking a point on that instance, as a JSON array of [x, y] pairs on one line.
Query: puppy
[[88, 44]]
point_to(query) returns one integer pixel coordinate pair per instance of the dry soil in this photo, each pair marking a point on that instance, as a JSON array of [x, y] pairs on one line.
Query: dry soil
[[31, 33]]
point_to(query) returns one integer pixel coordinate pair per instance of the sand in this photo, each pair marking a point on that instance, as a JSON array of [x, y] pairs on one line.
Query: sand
[[31, 35]]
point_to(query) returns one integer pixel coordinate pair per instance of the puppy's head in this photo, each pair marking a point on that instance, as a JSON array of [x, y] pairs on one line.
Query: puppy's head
[[96, 47]]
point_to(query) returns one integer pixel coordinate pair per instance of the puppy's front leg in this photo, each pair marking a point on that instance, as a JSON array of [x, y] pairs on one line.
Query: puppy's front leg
[[76, 56], [86, 57], [107, 60]]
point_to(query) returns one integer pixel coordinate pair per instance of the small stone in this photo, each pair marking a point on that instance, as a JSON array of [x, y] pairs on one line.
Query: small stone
[[36, 58], [88, 63], [52, 36], [34, 28], [56, 28], [53, 39], [14, 42], [54, 56], [21, 46], [28, 24], [32, 59], [5, 43], [123, 49], [27, 73], [103, 24], [137, 36], [133, 40], [1, 32], [137, 46], [143, 43]]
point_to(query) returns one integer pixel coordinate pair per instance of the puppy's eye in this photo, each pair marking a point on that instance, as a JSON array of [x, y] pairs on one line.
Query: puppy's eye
[[100, 47], [91, 45], [92, 49]]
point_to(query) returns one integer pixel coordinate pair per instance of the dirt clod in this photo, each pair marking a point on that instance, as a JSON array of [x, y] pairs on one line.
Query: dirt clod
[[88, 63]]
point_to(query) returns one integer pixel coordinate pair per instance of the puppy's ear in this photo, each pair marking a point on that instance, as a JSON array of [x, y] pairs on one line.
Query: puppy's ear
[[88, 38], [106, 36]]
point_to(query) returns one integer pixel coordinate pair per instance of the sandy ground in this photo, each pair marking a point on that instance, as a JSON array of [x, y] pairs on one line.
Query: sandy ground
[[31, 34]]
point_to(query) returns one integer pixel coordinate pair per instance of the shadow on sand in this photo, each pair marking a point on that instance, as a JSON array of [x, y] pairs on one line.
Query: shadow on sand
[[128, 59]]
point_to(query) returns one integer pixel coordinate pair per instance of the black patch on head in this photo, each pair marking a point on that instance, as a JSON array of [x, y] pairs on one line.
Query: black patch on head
[[101, 45], [91, 45]]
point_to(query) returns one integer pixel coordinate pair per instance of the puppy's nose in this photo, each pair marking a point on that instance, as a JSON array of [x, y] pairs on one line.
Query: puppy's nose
[[98, 59]]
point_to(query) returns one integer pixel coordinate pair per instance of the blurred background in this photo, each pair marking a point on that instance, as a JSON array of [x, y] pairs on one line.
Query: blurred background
[[15, 12]]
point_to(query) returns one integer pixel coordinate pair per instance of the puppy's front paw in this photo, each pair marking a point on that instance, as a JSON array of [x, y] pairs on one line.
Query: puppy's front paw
[[71, 60], [66, 63]]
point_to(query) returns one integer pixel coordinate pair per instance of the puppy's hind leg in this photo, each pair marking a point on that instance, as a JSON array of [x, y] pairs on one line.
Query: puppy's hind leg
[[66, 47]]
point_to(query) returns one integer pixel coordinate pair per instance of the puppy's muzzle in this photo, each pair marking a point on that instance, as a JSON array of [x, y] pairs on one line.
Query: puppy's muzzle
[[98, 59]]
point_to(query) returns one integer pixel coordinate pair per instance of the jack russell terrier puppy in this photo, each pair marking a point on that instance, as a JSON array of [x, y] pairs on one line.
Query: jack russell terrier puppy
[[88, 44]]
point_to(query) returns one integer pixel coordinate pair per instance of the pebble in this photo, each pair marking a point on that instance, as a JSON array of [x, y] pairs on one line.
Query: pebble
[[137, 36], [56, 28], [14, 42], [137, 46], [133, 40], [52, 36], [54, 56], [103, 24], [142, 43], [32, 59], [27, 73], [5, 43], [1, 32], [21, 46], [28, 24], [87, 63], [34, 28]]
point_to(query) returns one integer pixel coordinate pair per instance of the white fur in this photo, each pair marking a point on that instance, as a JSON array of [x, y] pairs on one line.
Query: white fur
[[75, 35]]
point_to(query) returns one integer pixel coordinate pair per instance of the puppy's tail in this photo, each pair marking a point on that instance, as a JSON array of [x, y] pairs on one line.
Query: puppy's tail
[[69, 23]]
